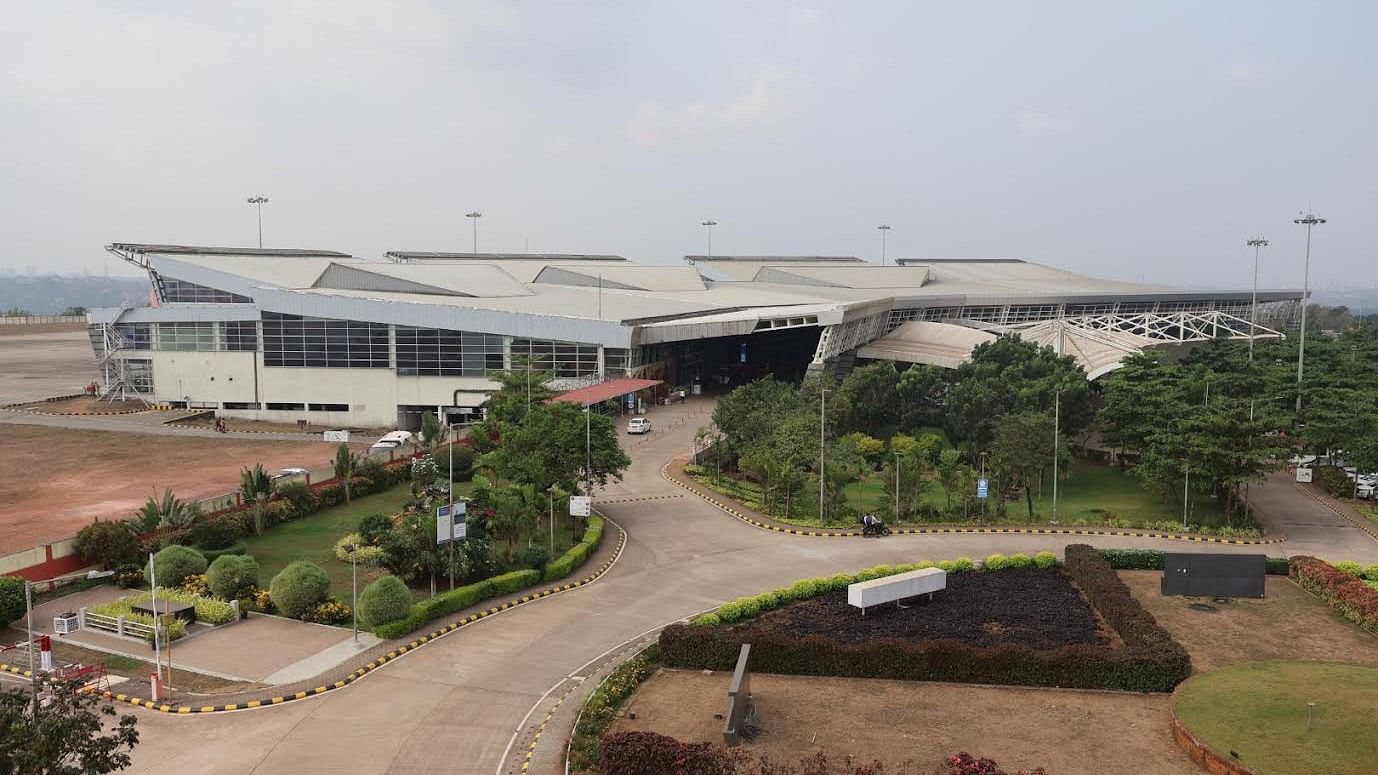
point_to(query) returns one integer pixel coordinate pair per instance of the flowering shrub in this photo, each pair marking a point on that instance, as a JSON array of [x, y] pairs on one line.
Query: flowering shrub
[[602, 706], [328, 612], [196, 584], [1347, 595], [262, 600], [127, 576], [364, 554]]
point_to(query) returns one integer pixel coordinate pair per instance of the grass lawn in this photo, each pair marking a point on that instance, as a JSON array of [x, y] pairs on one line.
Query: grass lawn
[[1258, 710], [313, 539]]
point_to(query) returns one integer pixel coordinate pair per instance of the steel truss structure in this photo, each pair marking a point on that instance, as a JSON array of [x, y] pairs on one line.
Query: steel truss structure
[[1178, 327]]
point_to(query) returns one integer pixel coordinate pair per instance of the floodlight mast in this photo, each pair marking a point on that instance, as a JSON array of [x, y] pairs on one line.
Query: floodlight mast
[[258, 201], [1255, 243], [473, 218], [1307, 219], [710, 223], [884, 230]]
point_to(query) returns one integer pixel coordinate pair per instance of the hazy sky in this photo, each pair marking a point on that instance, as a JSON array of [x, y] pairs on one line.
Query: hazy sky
[[1128, 143]]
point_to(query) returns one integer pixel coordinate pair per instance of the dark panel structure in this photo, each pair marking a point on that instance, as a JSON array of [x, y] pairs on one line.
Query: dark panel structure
[[1214, 575]]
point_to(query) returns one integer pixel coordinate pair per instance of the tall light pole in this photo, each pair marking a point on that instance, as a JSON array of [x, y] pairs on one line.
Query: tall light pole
[[1057, 427], [473, 218], [897, 488], [551, 491], [1255, 243], [884, 232], [710, 223], [588, 449], [354, 583], [258, 201], [1309, 219], [822, 434]]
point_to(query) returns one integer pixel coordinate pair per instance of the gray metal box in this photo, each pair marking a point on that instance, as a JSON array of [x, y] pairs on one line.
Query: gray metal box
[[1214, 575]]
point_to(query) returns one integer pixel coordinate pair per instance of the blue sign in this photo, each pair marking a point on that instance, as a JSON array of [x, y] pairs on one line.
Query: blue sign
[[631, 400], [742, 355], [982, 488]]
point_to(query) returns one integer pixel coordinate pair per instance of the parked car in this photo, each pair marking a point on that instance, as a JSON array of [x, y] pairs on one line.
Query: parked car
[[287, 474], [1365, 491], [638, 425]]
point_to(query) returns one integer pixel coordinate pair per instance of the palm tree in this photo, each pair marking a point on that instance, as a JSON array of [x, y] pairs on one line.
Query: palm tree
[[255, 487], [346, 463], [430, 430], [168, 511]]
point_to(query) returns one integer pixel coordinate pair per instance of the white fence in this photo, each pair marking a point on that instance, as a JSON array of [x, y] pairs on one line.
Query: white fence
[[33, 320], [118, 625]]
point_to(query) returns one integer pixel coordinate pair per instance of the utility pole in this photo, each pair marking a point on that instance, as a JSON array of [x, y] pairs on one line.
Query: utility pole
[[710, 223], [884, 231], [1307, 219], [259, 202], [1255, 243], [473, 218]]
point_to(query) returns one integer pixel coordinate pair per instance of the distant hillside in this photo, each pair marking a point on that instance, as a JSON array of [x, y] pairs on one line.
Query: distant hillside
[[51, 294]]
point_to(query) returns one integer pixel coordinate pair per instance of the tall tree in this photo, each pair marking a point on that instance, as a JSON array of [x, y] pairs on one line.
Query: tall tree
[[922, 392], [554, 444], [869, 395], [431, 430], [75, 733], [1010, 375], [345, 464], [1024, 447]]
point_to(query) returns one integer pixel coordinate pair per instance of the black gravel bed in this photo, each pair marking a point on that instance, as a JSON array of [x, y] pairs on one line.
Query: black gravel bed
[[1034, 607]]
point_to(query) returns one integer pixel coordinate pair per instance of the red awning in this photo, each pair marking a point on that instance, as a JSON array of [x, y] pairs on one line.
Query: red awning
[[613, 388]]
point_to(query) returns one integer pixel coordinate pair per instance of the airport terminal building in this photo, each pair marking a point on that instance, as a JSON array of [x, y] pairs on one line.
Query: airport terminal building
[[323, 336]]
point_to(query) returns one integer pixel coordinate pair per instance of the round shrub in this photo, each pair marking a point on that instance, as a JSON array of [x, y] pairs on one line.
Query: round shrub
[[535, 556], [750, 606], [385, 600], [11, 599], [768, 600], [1045, 559], [373, 527], [108, 544], [962, 565], [1371, 572], [173, 564], [904, 568], [803, 589], [729, 612], [948, 566], [1352, 568], [707, 620], [299, 588], [1020, 560], [923, 564], [841, 580], [364, 553], [995, 562], [232, 576]]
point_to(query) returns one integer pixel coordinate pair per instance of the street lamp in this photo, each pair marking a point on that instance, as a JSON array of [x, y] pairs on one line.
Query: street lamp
[[1308, 219], [551, 491], [1057, 422], [28, 616], [710, 223], [354, 576], [259, 201], [884, 231], [1255, 243], [473, 218]]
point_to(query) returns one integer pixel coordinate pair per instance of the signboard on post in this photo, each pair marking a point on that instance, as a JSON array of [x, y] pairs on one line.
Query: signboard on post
[[631, 400], [451, 526], [982, 488], [340, 436], [580, 505], [1304, 475]]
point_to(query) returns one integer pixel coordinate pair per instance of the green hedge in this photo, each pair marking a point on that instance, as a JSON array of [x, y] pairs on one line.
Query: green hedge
[[211, 555], [1154, 559], [471, 595], [1150, 659]]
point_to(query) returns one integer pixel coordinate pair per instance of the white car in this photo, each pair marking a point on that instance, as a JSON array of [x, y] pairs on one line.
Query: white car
[[638, 425], [287, 474]]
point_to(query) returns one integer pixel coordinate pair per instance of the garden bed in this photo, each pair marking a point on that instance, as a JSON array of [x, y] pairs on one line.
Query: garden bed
[[1034, 607]]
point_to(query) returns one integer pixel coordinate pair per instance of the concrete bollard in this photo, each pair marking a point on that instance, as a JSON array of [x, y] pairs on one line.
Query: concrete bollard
[[234, 606], [81, 618], [119, 626]]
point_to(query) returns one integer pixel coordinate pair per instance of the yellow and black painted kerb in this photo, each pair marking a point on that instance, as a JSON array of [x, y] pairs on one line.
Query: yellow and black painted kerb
[[4, 668], [847, 533], [379, 662], [540, 729]]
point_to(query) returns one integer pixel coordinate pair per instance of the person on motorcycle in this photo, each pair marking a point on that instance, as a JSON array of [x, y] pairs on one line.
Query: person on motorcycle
[[871, 525]]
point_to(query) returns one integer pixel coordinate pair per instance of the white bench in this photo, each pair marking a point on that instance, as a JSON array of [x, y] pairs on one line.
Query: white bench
[[892, 589]]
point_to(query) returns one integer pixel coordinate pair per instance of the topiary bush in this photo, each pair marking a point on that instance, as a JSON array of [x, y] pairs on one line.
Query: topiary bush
[[963, 565], [995, 562], [1134, 559], [1349, 568], [385, 600], [536, 557], [749, 606], [173, 564], [12, 605], [232, 576], [729, 612], [364, 552], [1371, 572], [1019, 560], [299, 588], [1045, 559], [108, 544]]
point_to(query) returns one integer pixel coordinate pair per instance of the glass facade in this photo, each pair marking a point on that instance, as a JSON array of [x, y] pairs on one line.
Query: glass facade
[[241, 335], [563, 359], [137, 336], [186, 337], [441, 352], [292, 340], [183, 291]]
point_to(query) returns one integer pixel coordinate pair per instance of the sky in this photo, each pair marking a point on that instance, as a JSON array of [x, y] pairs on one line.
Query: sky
[[1145, 142]]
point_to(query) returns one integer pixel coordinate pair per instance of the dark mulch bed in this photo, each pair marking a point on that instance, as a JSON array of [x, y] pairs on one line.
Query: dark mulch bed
[[1038, 608]]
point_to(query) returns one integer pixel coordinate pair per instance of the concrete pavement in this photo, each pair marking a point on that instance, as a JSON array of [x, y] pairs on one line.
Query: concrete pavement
[[456, 705]]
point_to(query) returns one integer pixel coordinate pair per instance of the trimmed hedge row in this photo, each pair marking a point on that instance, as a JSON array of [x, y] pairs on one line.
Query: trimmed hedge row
[[1150, 659], [460, 598], [1345, 593], [1155, 559]]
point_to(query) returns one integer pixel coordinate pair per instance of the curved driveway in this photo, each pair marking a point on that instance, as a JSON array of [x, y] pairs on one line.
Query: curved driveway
[[453, 705]]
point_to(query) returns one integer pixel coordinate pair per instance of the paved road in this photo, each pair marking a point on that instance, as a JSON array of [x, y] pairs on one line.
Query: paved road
[[36, 366], [149, 423], [1310, 527], [452, 707]]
